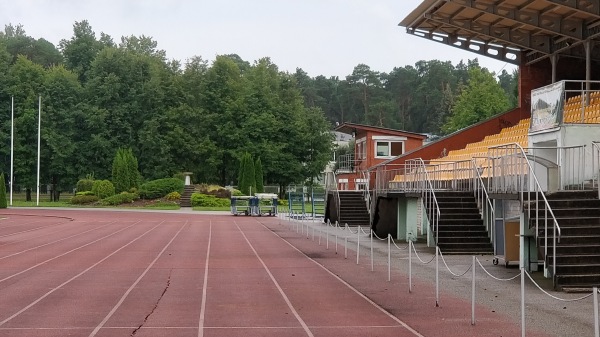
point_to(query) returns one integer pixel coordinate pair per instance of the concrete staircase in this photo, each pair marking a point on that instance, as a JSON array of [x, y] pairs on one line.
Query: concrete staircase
[[461, 229], [578, 252], [185, 200], [353, 209]]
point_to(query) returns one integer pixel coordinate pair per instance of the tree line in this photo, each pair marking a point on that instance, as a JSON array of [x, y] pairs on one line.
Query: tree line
[[432, 97], [99, 95]]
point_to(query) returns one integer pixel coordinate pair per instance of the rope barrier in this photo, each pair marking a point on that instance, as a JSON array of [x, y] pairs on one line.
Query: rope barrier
[[403, 248], [555, 297], [494, 277], [377, 237], [418, 257], [451, 272]]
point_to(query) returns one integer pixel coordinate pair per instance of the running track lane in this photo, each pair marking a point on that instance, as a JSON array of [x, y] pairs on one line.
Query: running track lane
[[229, 276]]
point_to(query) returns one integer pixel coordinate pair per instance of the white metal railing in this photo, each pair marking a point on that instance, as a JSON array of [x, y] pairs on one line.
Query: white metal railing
[[564, 167], [512, 171], [585, 95], [429, 199], [331, 185], [596, 166], [366, 193], [481, 195]]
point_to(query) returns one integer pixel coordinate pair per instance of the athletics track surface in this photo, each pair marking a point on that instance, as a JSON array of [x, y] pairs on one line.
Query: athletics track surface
[[104, 273]]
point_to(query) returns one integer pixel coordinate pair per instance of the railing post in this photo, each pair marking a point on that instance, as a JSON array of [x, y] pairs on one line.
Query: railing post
[[389, 258], [437, 276], [372, 234], [522, 302], [410, 248], [473, 292], [596, 326], [357, 244]]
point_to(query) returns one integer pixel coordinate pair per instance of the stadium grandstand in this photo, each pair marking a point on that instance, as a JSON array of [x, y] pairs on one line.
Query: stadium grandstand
[[522, 185]]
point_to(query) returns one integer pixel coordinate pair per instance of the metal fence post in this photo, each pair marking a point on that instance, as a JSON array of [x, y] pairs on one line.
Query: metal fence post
[[473, 293]]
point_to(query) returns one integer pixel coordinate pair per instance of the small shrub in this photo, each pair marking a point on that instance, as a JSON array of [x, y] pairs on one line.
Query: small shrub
[[204, 200], [83, 199], [103, 189], [236, 193], [119, 199], [158, 188], [173, 196], [282, 202], [85, 193], [85, 185]]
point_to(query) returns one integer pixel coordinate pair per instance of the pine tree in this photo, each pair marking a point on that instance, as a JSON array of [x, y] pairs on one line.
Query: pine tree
[[247, 182], [3, 202], [125, 174], [259, 178], [241, 171]]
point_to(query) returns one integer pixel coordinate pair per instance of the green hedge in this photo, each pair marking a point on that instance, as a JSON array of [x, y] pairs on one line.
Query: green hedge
[[103, 189], [119, 199], [83, 199], [85, 185], [173, 196], [203, 200], [85, 193], [159, 188]]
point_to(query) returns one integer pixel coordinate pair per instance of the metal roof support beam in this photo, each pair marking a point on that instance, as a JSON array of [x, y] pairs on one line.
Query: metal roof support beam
[[496, 52], [549, 23], [525, 40], [587, 6]]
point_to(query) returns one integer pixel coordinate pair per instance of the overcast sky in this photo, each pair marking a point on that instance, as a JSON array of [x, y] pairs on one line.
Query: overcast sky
[[323, 37]]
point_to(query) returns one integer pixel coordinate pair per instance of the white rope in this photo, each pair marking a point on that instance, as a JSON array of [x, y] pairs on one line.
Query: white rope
[[494, 277], [350, 230], [377, 237], [418, 257], [451, 272], [362, 230], [558, 298], [399, 247]]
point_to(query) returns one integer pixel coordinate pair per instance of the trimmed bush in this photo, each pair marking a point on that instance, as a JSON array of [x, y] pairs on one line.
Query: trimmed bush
[[103, 189], [173, 196], [119, 199], [85, 193], [282, 202], [203, 200], [236, 193], [159, 188], [84, 185], [83, 199]]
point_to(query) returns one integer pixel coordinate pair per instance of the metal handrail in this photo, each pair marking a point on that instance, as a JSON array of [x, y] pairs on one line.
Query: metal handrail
[[548, 209], [429, 199], [596, 165], [479, 184], [366, 195], [335, 191]]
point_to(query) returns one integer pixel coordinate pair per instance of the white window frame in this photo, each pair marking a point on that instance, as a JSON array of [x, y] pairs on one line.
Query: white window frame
[[389, 141]]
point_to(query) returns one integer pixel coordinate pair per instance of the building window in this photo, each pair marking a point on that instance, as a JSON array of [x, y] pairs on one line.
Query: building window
[[388, 149]]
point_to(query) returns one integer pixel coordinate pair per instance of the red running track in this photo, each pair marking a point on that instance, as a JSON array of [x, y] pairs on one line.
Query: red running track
[[105, 273]]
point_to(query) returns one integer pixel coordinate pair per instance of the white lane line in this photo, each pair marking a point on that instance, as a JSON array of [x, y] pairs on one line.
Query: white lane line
[[65, 253], [32, 229], [203, 305], [286, 299], [114, 309], [75, 277], [402, 323], [40, 236], [53, 242]]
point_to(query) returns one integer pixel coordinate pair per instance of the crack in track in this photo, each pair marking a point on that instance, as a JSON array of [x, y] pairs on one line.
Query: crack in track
[[155, 305]]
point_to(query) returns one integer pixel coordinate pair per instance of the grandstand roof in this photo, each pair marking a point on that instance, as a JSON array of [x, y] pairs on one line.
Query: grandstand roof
[[348, 128], [514, 31]]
